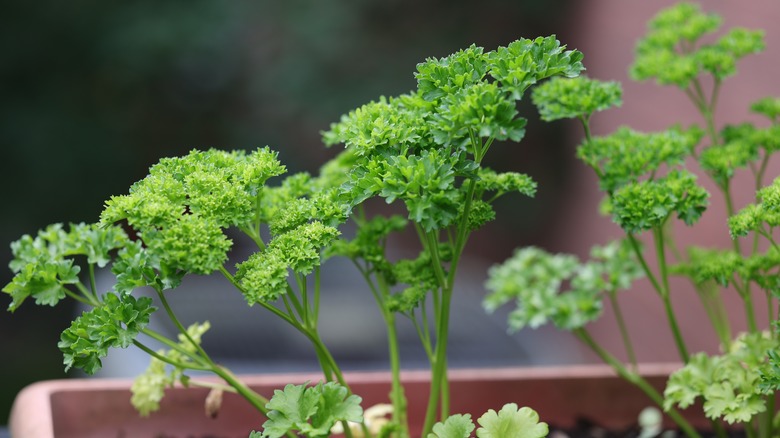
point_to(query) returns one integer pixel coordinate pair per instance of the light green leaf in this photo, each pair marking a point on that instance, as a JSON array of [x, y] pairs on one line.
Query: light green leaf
[[511, 422], [114, 324], [455, 426], [310, 410]]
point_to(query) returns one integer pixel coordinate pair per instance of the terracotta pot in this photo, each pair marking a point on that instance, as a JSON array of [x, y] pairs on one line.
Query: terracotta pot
[[87, 408]]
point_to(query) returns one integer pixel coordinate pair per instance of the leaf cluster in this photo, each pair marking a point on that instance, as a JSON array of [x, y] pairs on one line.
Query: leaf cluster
[[726, 267], [729, 384], [760, 217], [44, 265], [649, 204], [310, 410], [738, 149], [672, 53], [182, 207], [263, 276], [580, 97], [558, 287], [113, 324], [418, 147], [628, 156]]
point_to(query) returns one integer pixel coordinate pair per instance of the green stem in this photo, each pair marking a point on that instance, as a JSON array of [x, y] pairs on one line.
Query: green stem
[[749, 432], [265, 305], [92, 299], [79, 298], [623, 330], [160, 357], [767, 425], [433, 250], [257, 400], [92, 282], [171, 344], [665, 295], [254, 234], [423, 331], [638, 252], [327, 358], [726, 190], [397, 396], [637, 380], [439, 386], [713, 305], [290, 295], [317, 288], [747, 300], [438, 366], [179, 325], [586, 126]]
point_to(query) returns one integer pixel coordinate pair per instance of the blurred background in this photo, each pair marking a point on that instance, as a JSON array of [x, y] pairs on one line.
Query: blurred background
[[93, 93]]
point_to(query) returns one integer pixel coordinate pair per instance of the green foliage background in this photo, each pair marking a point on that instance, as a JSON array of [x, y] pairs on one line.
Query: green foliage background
[[92, 93]]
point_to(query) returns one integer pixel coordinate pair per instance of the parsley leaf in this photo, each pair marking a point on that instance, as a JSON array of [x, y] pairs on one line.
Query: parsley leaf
[[114, 324], [511, 422], [455, 426], [310, 410]]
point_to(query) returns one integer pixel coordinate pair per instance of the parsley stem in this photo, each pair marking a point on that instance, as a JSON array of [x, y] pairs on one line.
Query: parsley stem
[[586, 126], [303, 287], [661, 255], [317, 288], [397, 395], [160, 357], [254, 234], [439, 387], [637, 380], [92, 282], [638, 251], [171, 344], [295, 302], [265, 305], [78, 298], [749, 430], [747, 297], [623, 330], [179, 325], [715, 309], [767, 425], [423, 333], [326, 359], [433, 250], [92, 299], [380, 290], [257, 400]]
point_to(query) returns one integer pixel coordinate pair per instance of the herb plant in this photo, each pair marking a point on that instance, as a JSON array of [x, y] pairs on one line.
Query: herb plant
[[649, 183], [422, 151]]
